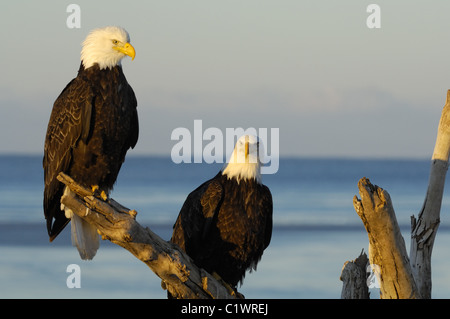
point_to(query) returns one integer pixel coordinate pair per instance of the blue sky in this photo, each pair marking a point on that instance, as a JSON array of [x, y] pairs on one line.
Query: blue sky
[[313, 69]]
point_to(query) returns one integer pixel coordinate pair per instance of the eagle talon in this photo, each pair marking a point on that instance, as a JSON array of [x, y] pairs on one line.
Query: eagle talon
[[97, 193], [104, 196]]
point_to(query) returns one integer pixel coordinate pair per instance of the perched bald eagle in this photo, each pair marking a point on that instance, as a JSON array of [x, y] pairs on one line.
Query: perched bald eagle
[[226, 223], [92, 125]]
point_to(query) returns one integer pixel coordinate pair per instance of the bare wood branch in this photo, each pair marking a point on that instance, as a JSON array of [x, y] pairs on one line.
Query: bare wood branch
[[180, 276], [386, 245], [425, 227], [354, 278]]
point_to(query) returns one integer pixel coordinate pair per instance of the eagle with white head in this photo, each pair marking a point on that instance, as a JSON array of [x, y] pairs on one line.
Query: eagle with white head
[[92, 125], [226, 223]]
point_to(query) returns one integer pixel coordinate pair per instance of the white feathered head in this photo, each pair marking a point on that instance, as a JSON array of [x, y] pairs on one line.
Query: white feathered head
[[107, 47], [245, 161]]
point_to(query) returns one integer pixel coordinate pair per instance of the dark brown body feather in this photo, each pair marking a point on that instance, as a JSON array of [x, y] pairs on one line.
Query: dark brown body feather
[[224, 226], [93, 123]]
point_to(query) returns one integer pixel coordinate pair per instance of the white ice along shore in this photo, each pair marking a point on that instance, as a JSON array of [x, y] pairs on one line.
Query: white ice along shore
[[190, 147]]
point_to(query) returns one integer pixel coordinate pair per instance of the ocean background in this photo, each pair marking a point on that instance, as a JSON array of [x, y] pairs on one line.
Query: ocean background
[[316, 228]]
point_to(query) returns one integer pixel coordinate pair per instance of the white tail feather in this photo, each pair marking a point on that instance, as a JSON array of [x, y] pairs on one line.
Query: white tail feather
[[84, 235]]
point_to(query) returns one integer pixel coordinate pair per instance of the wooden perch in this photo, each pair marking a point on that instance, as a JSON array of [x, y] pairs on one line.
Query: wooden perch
[[386, 245], [354, 278], [399, 277], [425, 227], [180, 276]]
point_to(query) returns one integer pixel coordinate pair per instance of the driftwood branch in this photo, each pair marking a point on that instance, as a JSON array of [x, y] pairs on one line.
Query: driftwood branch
[[425, 227], [354, 278], [387, 248], [400, 276], [180, 276]]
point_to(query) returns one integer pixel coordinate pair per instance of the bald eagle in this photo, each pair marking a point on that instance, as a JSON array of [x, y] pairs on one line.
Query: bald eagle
[[92, 125], [226, 223]]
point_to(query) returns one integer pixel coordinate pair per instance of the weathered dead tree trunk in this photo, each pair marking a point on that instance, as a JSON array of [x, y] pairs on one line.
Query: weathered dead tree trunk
[[387, 248], [181, 277], [354, 277], [425, 227], [400, 276]]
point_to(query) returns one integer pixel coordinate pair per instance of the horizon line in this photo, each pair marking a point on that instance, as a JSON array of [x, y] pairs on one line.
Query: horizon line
[[287, 156]]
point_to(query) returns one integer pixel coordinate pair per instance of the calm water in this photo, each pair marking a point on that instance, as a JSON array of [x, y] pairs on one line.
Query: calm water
[[315, 227]]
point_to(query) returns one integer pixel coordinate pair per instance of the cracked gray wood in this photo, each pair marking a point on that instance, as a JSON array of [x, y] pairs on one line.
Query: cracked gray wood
[[424, 228], [354, 278]]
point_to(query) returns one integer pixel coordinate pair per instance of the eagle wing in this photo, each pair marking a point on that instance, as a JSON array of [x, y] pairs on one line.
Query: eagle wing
[[134, 133], [196, 216], [267, 209], [69, 121]]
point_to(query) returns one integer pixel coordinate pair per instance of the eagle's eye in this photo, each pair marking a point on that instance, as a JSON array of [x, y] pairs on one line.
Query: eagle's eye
[[115, 42]]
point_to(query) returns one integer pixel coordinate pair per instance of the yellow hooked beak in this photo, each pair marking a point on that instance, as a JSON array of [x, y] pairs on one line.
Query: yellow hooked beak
[[127, 49], [246, 151]]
